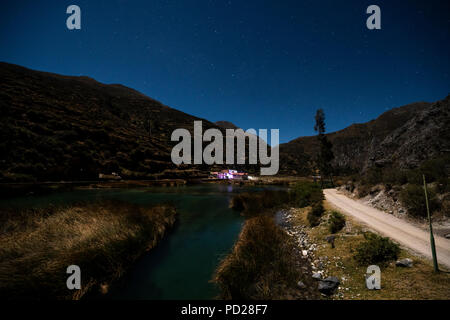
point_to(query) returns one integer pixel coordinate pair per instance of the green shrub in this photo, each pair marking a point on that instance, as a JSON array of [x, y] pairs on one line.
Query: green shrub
[[373, 176], [274, 198], [394, 176], [306, 194], [413, 198], [446, 207], [337, 222], [434, 169], [255, 203], [315, 214], [443, 184], [414, 177], [376, 250]]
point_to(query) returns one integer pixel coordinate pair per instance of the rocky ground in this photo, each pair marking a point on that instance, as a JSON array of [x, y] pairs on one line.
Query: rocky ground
[[378, 197], [326, 284], [410, 277], [388, 201]]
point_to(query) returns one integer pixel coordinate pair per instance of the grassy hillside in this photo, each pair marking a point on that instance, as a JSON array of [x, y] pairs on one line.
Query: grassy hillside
[[73, 128]]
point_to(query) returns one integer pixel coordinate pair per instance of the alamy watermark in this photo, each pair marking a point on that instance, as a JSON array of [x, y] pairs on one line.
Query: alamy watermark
[[73, 22], [74, 280], [374, 20], [373, 277], [213, 153]]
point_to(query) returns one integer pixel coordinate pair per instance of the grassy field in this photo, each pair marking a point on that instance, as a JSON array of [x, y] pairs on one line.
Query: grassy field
[[103, 239], [418, 282]]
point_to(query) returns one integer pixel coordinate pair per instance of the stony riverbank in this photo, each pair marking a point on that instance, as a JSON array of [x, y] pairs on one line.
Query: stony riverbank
[[265, 264], [306, 249]]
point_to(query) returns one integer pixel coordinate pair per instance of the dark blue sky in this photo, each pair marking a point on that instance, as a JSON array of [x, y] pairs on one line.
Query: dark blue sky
[[258, 64]]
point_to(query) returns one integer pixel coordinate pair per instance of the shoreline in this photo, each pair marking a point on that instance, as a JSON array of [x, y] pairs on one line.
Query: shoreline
[[18, 189], [104, 239]]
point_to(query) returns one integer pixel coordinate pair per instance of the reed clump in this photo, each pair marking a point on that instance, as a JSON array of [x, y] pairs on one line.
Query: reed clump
[[102, 238]]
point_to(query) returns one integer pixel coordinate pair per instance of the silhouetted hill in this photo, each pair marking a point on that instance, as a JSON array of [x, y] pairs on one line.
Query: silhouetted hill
[[58, 127], [73, 128], [402, 137], [226, 125]]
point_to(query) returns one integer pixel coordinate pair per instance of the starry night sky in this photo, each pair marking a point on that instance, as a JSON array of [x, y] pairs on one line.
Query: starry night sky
[[258, 64]]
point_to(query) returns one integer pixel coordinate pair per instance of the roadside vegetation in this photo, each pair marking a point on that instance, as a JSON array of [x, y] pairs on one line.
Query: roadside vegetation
[[301, 194], [306, 194], [355, 248], [336, 222], [412, 197], [102, 238], [407, 185], [376, 250], [315, 214]]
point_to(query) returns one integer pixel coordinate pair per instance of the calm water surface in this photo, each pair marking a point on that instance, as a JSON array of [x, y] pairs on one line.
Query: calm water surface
[[182, 265]]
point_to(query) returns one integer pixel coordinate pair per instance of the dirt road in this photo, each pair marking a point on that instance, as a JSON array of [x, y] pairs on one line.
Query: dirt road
[[398, 230]]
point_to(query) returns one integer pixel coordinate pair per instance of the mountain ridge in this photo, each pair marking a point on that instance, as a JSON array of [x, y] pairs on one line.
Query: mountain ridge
[[58, 127], [73, 128], [392, 139]]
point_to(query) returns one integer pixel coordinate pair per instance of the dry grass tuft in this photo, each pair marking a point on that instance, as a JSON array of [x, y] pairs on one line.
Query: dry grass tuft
[[251, 204], [263, 265], [103, 239]]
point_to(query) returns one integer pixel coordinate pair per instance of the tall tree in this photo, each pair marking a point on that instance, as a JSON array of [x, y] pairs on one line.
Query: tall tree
[[149, 122], [319, 127], [326, 155]]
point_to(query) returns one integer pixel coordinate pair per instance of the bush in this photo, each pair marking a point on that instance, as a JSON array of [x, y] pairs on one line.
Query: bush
[[261, 265], [255, 203], [394, 176], [414, 177], [376, 250], [443, 184], [446, 207], [373, 176], [337, 222], [247, 203], [434, 169], [413, 198], [306, 194], [274, 198], [315, 214]]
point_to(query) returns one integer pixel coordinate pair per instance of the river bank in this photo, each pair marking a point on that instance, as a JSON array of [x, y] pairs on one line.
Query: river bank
[[17, 189], [182, 264], [265, 264], [267, 261], [102, 238]]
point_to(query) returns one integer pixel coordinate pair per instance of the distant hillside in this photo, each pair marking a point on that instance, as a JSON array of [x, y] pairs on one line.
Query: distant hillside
[[73, 128], [226, 125], [402, 137]]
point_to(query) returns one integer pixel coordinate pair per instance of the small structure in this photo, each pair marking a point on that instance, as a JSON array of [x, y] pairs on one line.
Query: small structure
[[229, 175], [112, 176]]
